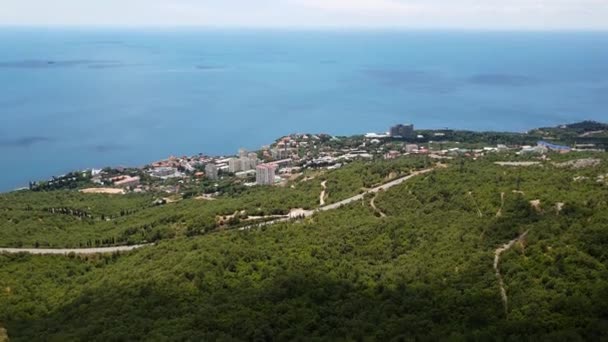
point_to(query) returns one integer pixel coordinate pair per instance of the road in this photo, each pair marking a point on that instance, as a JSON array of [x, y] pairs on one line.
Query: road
[[374, 190], [309, 213], [300, 214], [64, 251]]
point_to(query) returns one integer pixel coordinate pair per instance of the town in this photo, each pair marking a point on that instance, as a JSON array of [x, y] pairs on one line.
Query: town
[[289, 157]]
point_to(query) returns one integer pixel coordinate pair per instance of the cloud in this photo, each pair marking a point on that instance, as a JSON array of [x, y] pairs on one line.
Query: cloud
[[497, 14], [364, 6]]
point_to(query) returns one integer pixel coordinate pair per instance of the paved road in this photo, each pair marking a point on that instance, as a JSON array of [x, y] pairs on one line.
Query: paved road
[[63, 251]]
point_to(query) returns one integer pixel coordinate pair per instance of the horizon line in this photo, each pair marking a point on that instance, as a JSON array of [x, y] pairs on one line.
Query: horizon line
[[308, 28]]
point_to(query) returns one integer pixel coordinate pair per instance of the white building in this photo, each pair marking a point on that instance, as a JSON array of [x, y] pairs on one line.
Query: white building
[[127, 181], [411, 148], [265, 174], [235, 165], [253, 160], [163, 172], [245, 174], [243, 163], [211, 171]]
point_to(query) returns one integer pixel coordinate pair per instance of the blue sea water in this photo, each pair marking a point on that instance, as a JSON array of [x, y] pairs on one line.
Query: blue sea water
[[81, 98]]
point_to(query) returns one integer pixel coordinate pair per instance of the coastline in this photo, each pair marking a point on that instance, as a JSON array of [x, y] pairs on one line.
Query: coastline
[[426, 132]]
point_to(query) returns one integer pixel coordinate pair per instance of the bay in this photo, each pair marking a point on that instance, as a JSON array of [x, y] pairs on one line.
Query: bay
[[75, 98]]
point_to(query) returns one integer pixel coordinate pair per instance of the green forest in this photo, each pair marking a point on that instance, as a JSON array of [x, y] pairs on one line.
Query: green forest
[[413, 262]]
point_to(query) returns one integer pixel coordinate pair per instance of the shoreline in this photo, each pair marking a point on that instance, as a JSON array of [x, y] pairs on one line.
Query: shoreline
[[505, 133]]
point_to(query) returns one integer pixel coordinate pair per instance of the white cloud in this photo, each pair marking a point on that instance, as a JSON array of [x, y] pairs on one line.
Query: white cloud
[[492, 14], [362, 6]]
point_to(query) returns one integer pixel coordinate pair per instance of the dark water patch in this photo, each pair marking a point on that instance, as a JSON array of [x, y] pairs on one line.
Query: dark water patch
[[601, 91], [204, 67], [299, 107], [105, 148], [412, 80], [15, 102], [26, 141], [53, 64], [111, 65], [104, 42], [503, 80]]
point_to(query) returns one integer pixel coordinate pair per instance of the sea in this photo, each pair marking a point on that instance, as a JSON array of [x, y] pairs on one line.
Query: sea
[[77, 98]]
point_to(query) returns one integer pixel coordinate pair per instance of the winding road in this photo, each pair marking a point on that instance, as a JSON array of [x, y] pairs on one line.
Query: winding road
[[301, 214], [309, 213], [64, 251], [375, 190]]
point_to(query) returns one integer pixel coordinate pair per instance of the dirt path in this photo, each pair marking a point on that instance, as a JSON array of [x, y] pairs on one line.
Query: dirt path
[[375, 190], [502, 204], [309, 213], [322, 196], [64, 251], [3, 335], [517, 163], [476, 205], [108, 191], [372, 203], [501, 283], [298, 214], [257, 218]]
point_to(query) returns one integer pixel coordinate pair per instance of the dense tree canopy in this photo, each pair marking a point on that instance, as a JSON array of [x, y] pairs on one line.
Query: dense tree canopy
[[423, 271]]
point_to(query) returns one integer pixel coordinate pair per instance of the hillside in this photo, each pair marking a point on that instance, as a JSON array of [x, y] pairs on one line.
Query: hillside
[[421, 265], [72, 219]]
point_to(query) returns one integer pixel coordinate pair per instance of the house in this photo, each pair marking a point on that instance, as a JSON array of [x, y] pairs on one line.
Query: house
[[127, 181], [554, 147]]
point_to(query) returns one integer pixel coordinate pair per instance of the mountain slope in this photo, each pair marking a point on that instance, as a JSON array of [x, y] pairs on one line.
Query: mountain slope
[[424, 271]]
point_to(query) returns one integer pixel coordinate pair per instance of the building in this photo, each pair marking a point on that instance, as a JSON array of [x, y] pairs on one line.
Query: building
[[554, 147], [411, 148], [211, 171], [376, 136], [392, 155], [282, 153], [539, 149], [245, 174], [235, 165], [265, 174], [163, 172], [127, 182], [245, 162], [402, 131]]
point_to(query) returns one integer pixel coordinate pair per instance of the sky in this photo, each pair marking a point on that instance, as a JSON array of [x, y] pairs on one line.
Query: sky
[[423, 14]]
